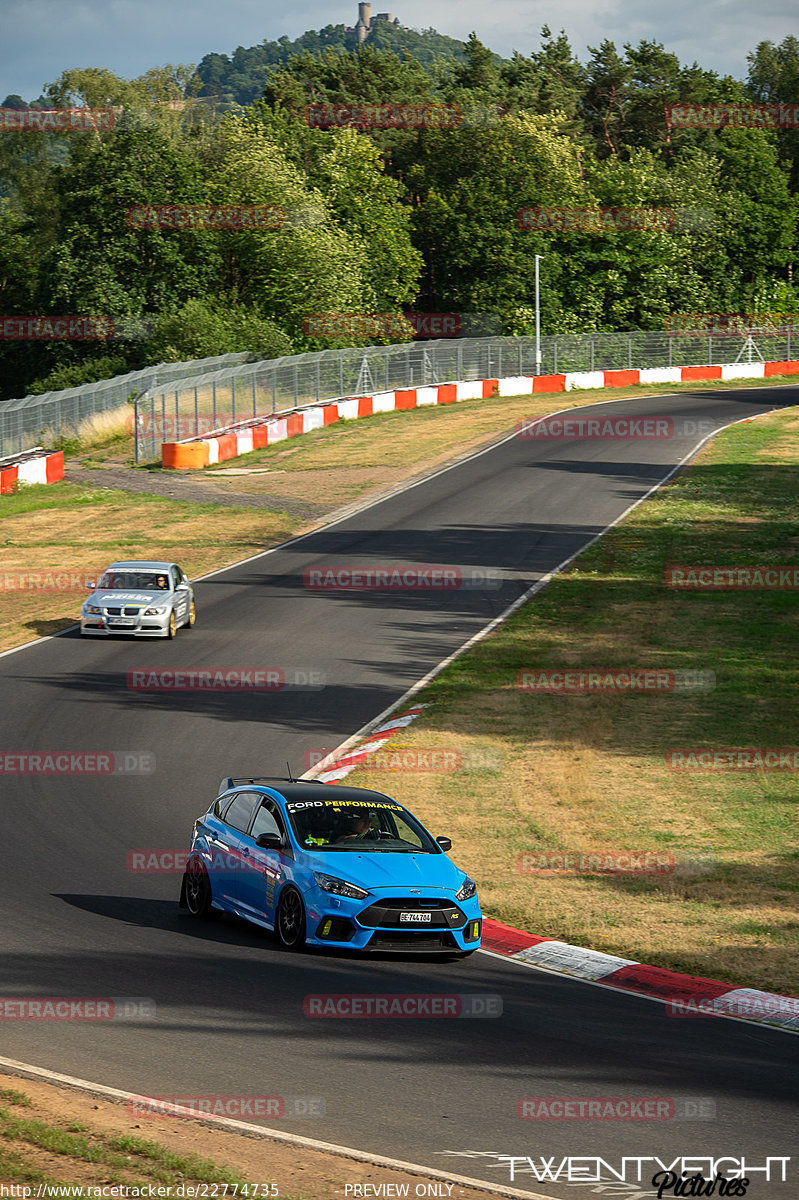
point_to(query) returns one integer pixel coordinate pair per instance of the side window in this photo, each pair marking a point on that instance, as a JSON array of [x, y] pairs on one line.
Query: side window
[[240, 811], [175, 574], [265, 822]]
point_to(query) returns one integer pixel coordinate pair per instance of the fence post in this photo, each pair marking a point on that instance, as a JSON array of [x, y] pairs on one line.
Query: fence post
[[233, 398], [274, 394], [196, 415], [593, 344], [213, 403], [629, 354], [340, 378], [254, 397], [710, 350]]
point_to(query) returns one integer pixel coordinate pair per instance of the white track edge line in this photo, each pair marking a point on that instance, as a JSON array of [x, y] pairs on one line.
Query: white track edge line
[[248, 1129]]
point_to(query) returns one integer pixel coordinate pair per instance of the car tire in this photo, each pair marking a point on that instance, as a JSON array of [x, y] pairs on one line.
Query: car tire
[[172, 628], [197, 890], [191, 619], [290, 919]]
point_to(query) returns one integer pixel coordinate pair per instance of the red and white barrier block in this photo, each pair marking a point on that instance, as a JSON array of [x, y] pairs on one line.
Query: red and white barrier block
[[32, 466], [254, 434]]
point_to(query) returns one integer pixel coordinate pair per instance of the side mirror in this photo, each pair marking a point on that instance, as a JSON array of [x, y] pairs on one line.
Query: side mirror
[[445, 843], [91, 586], [269, 841]]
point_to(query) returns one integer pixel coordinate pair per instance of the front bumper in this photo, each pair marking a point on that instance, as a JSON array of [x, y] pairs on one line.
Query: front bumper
[[96, 625], [376, 924]]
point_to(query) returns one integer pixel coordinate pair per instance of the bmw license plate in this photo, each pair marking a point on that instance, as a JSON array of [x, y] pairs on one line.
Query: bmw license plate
[[424, 917], [116, 621]]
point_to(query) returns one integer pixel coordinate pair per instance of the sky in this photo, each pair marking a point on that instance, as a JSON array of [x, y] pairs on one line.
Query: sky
[[42, 38]]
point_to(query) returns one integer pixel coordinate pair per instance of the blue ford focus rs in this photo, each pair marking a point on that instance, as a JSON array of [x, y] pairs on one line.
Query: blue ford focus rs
[[325, 865]]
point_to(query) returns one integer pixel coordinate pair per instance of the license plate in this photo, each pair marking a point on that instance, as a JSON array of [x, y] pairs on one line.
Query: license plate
[[414, 916], [115, 621]]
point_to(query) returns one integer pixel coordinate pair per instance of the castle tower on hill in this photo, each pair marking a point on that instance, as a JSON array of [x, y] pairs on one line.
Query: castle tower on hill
[[366, 22]]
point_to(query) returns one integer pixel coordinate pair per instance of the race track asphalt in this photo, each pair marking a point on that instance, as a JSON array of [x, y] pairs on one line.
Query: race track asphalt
[[229, 1005]]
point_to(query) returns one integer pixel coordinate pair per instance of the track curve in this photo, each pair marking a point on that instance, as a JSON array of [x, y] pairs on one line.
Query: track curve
[[229, 1004]]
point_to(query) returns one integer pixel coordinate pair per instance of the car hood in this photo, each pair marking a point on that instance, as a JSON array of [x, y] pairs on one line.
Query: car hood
[[384, 871], [134, 597]]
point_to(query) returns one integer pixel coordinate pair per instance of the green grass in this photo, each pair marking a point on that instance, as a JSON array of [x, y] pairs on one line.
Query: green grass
[[589, 772]]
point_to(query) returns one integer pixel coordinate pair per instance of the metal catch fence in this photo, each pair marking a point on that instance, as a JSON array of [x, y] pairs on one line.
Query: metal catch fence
[[52, 415], [207, 402]]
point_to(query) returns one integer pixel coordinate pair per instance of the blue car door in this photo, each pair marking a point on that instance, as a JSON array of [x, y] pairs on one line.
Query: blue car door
[[230, 849], [265, 870]]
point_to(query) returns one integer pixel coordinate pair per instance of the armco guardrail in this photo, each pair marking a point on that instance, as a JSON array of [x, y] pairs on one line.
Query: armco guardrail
[[22, 422], [198, 406]]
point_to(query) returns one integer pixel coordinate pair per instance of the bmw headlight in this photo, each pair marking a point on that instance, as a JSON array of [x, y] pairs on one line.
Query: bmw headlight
[[339, 887], [154, 612], [91, 608], [467, 889]]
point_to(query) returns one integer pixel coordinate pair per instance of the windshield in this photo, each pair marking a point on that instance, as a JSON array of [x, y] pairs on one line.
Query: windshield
[[132, 581], [380, 827]]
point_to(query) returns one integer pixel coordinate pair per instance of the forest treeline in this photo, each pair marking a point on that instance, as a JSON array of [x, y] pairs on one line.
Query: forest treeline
[[390, 220]]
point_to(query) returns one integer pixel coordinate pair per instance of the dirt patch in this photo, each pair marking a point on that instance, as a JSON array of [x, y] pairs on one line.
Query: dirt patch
[[295, 1170]]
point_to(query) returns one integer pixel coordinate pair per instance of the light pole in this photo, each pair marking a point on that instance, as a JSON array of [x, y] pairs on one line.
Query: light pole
[[538, 258]]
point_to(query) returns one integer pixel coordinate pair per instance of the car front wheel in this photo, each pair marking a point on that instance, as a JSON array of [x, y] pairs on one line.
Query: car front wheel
[[290, 923], [173, 628], [197, 890]]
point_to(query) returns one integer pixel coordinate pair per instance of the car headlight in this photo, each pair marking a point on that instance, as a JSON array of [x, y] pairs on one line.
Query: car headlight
[[467, 889], [339, 887], [155, 612], [91, 608]]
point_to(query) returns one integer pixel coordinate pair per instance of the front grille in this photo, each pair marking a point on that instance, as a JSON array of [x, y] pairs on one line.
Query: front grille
[[385, 914], [130, 612], [413, 940], [114, 612]]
